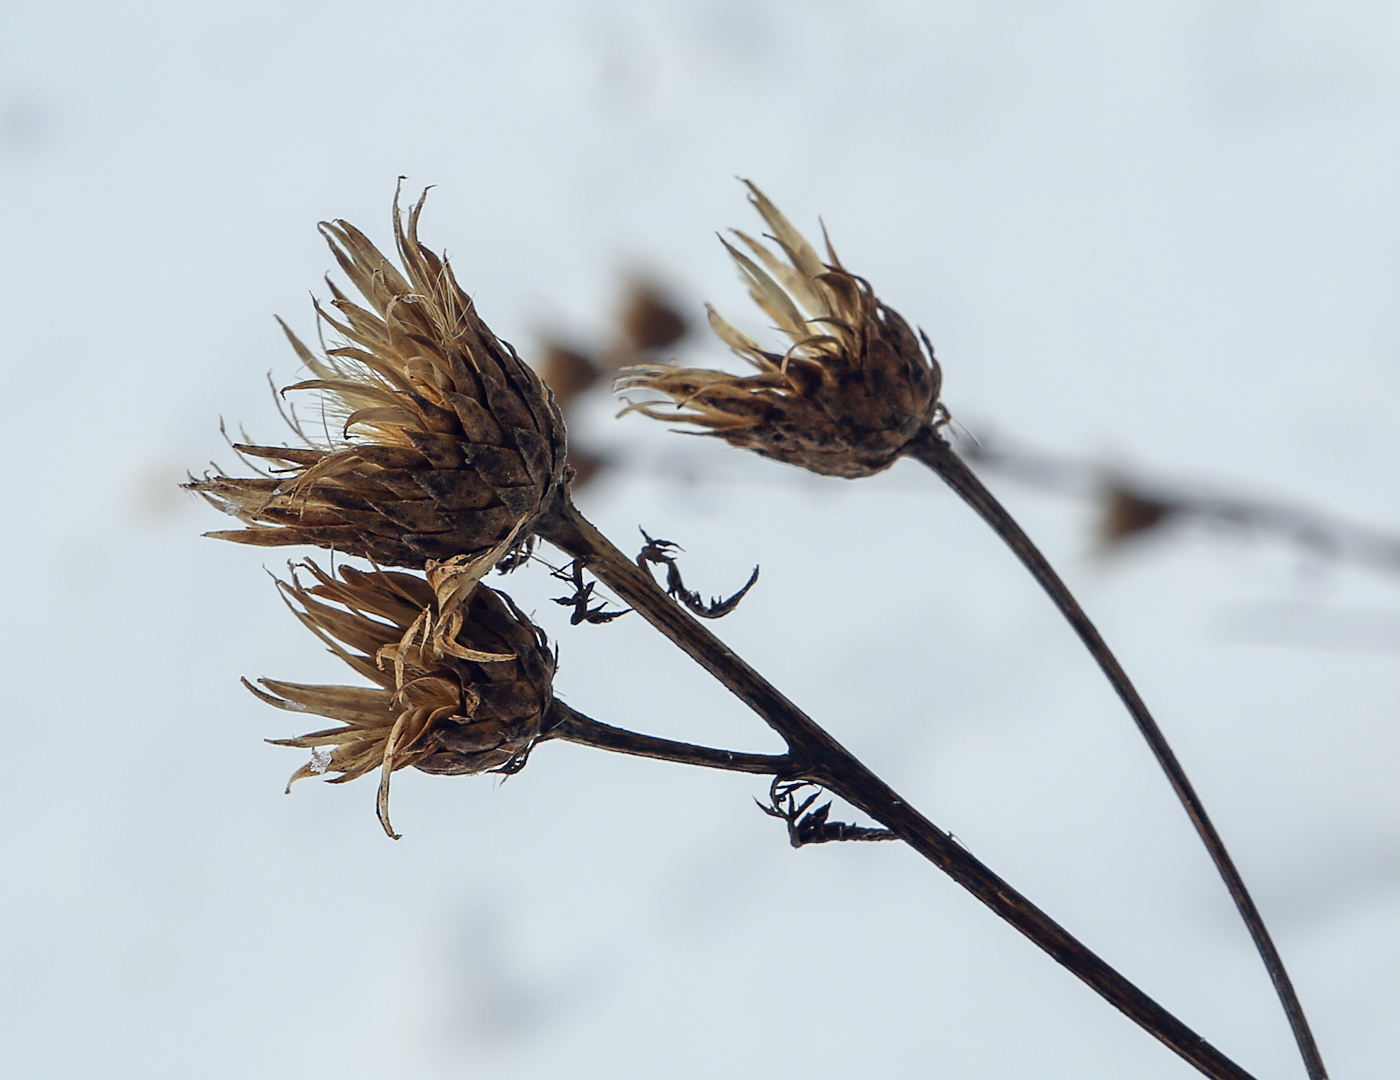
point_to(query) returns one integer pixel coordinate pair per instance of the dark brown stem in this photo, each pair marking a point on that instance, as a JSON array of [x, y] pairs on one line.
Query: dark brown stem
[[817, 757], [931, 449], [571, 725]]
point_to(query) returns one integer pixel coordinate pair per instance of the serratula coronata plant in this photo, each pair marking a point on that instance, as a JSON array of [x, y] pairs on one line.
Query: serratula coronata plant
[[460, 693], [449, 458], [846, 396], [440, 441]]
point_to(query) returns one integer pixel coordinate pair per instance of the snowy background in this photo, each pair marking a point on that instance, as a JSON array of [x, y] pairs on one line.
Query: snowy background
[[1162, 234]]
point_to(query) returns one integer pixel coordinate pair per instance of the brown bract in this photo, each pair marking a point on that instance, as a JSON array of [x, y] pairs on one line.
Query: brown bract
[[439, 441], [850, 392], [460, 683]]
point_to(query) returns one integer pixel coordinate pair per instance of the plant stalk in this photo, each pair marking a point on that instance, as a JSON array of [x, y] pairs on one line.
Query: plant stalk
[[817, 757], [935, 452], [571, 725]]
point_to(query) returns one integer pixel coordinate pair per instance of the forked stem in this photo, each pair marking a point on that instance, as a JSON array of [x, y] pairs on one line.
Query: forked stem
[[815, 756], [934, 451]]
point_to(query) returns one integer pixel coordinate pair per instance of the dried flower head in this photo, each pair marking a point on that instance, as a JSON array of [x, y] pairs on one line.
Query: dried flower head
[[440, 440], [845, 398], [461, 682]]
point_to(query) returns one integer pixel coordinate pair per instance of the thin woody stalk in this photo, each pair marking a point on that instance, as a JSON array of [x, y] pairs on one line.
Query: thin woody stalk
[[815, 756], [934, 451], [571, 725]]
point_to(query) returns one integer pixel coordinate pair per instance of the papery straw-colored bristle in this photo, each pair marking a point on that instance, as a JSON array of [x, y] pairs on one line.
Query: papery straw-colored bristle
[[461, 692], [847, 395], [436, 439]]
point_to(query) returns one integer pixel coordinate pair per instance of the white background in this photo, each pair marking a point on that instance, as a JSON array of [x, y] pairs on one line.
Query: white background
[[1162, 234]]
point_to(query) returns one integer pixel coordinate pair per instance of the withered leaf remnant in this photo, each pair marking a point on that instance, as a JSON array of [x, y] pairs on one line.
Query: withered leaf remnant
[[457, 693], [659, 552], [844, 399], [439, 440], [806, 826], [582, 595]]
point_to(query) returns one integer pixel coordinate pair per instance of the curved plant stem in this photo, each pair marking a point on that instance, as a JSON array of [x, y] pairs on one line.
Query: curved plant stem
[[817, 757], [572, 726], [931, 449]]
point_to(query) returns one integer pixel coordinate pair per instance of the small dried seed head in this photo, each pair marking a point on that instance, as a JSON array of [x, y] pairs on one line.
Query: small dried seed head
[[1126, 515], [462, 680], [845, 398], [441, 441], [648, 319], [568, 372]]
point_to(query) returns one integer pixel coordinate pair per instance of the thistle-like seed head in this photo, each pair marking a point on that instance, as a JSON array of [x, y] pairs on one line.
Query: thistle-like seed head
[[440, 441], [844, 399], [462, 680]]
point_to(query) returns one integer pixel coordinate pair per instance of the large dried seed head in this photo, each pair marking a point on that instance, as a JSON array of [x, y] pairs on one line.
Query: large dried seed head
[[461, 679], [844, 399], [438, 440]]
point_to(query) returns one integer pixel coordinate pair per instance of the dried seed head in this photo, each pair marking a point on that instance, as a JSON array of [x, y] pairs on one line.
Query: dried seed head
[[462, 679], [1126, 515], [568, 372], [440, 442], [853, 388], [648, 318]]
